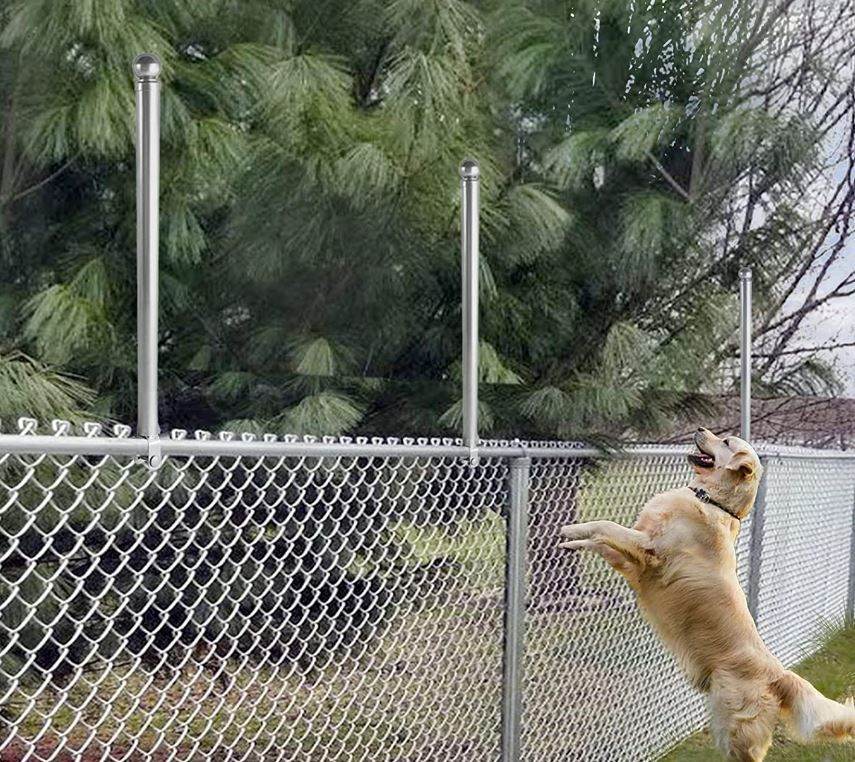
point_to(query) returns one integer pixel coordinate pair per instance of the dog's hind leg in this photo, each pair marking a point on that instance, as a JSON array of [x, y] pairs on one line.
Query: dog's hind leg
[[743, 725], [749, 749]]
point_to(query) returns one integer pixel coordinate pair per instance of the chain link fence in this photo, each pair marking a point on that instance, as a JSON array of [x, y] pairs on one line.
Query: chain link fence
[[343, 600]]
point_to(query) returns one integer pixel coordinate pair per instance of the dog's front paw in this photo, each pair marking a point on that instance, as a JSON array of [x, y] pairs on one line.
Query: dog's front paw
[[575, 544], [575, 532]]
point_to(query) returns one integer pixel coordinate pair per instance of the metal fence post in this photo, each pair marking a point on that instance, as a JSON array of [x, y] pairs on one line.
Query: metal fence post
[[470, 174], [755, 552], [147, 71], [745, 352], [515, 599], [850, 598]]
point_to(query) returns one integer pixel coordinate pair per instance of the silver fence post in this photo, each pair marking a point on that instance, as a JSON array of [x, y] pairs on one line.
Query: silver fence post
[[755, 551], [515, 599], [745, 352], [850, 598], [470, 174], [146, 71]]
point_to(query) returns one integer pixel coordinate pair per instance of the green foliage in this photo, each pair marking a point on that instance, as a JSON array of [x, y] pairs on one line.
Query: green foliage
[[751, 137], [68, 318], [527, 45], [26, 384], [493, 369], [323, 413], [574, 159], [309, 239], [644, 132], [317, 357]]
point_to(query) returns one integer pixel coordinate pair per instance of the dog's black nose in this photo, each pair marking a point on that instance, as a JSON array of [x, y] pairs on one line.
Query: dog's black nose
[[700, 428]]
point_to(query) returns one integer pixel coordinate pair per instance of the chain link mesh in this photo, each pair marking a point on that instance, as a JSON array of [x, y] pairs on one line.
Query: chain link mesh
[[294, 609], [350, 608], [805, 553]]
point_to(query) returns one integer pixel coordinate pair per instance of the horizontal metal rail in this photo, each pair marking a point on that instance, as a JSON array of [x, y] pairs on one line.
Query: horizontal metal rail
[[37, 444], [808, 454]]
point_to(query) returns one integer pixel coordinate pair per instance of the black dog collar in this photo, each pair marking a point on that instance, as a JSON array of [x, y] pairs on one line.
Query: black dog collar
[[704, 497]]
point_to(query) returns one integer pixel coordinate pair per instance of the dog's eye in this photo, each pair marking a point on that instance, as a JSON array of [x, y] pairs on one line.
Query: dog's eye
[[727, 442]]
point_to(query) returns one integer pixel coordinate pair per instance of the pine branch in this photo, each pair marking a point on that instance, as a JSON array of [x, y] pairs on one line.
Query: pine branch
[[805, 350], [45, 181]]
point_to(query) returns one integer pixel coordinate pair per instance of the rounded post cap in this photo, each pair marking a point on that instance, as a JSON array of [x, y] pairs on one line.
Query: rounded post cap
[[745, 272], [146, 67], [470, 169]]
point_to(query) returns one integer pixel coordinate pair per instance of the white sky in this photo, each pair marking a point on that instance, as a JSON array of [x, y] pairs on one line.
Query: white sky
[[835, 323]]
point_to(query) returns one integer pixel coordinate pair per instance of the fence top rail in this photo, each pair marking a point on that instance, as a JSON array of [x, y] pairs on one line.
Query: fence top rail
[[203, 444]]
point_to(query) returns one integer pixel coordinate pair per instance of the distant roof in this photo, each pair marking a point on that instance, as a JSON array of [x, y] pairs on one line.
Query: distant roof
[[821, 422]]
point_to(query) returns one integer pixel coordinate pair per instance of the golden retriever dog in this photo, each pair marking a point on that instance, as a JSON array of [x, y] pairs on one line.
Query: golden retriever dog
[[679, 559]]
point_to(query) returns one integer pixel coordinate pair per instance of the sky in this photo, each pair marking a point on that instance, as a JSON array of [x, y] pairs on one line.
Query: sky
[[835, 323]]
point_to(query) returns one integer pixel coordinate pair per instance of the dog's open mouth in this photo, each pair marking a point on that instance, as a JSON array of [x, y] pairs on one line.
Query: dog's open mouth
[[701, 459]]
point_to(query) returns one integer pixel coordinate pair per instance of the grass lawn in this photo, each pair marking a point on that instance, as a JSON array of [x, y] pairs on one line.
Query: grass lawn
[[832, 671]]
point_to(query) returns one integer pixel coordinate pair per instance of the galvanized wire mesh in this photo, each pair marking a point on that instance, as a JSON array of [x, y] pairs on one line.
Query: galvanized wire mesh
[[805, 553], [298, 609], [350, 608]]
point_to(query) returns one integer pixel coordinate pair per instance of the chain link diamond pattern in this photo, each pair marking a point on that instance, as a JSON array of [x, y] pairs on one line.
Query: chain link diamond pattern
[[349, 609]]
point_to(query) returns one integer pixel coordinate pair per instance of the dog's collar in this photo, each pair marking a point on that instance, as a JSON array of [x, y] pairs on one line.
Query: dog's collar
[[704, 497]]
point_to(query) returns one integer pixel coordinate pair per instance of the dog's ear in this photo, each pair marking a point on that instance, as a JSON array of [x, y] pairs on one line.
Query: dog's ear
[[744, 462]]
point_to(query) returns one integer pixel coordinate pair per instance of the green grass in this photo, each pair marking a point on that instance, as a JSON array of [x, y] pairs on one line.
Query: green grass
[[832, 671]]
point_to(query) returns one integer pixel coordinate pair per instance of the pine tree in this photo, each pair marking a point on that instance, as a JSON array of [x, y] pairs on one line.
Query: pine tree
[[310, 276]]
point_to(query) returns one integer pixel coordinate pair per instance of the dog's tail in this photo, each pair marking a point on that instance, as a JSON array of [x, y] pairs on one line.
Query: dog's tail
[[812, 716]]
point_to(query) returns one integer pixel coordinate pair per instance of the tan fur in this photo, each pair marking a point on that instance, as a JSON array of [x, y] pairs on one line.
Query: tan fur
[[679, 559]]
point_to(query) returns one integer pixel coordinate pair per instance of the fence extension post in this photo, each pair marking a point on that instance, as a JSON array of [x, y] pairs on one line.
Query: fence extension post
[[470, 208], [147, 72], [755, 551], [515, 603], [745, 353]]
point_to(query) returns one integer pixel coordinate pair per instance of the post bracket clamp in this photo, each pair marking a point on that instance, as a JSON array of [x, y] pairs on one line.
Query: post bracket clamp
[[153, 459]]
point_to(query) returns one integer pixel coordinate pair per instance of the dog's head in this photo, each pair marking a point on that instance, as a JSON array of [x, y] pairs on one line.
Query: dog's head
[[728, 469]]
